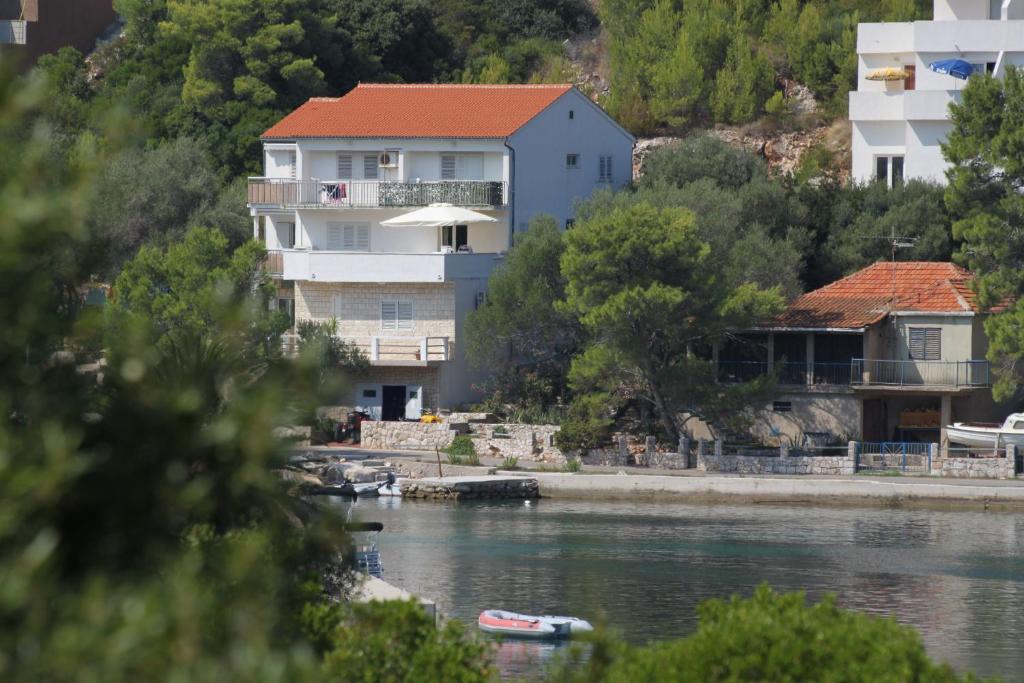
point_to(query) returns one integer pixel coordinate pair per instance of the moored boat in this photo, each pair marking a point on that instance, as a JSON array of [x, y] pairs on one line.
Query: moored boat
[[989, 436], [498, 622]]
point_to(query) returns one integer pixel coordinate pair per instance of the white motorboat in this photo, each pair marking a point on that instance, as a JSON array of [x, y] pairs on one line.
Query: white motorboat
[[989, 435], [498, 622]]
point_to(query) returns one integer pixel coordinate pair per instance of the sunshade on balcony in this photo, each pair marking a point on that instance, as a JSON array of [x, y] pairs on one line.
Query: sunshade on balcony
[[438, 215], [889, 73], [957, 68]]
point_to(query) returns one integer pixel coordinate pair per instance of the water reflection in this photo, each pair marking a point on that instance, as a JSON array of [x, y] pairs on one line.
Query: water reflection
[[957, 576]]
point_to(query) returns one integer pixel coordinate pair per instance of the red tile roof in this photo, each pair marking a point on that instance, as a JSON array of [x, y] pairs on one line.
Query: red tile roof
[[868, 295], [419, 111]]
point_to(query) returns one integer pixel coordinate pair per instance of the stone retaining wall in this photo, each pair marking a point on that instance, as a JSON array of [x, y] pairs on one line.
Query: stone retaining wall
[[419, 470], [746, 464], [973, 468], [466, 490], [526, 442], [411, 436]]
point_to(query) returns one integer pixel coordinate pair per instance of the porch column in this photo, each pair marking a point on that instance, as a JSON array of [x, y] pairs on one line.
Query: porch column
[[374, 348], [945, 418], [423, 348], [810, 358], [256, 228]]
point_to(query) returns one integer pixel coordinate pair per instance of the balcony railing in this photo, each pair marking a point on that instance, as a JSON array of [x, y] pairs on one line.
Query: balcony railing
[[389, 350], [790, 373], [920, 373], [274, 264], [331, 194]]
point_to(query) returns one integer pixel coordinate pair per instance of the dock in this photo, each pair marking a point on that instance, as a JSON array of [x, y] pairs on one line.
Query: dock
[[481, 487], [379, 590]]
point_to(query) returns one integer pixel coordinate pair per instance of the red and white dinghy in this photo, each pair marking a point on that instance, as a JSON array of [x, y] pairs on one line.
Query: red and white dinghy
[[515, 625]]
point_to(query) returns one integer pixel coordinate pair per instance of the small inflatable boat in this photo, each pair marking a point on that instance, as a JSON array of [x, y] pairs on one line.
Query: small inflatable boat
[[514, 625]]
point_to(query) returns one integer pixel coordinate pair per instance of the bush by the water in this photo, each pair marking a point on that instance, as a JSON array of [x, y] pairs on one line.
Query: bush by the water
[[768, 637], [462, 451]]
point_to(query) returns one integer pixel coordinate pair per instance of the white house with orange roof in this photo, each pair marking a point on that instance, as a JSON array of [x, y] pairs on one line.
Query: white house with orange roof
[[339, 173], [893, 352]]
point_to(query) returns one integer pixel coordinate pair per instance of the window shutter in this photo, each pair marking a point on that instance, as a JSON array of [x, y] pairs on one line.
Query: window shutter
[[388, 316], [925, 343], [356, 237], [448, 167], [337, 306], [344, 166], [604, 169], [405, 315], [293, 164], [370, 166], [334, 237]]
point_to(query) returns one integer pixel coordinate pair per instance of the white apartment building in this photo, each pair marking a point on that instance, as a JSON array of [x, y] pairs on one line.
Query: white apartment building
[[898, 125], [336, 169]]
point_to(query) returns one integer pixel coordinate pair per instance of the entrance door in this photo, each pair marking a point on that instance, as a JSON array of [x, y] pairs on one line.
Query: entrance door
[[874, 420], [413, 402], [393, 403]]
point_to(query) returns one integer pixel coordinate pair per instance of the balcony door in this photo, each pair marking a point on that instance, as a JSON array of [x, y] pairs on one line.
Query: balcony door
[[454, 236]]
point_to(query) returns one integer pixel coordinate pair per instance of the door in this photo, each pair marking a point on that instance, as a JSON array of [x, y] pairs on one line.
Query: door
[[413, 402], [393, 403], [455, 236], [874, 420]]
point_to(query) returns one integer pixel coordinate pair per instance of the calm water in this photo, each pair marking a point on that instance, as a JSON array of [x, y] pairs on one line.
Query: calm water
[[956, 576]]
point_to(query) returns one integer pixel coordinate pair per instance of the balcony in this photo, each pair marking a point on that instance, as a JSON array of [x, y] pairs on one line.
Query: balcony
[[391, 351], [371, 194], [356, 266], [791, 374], [911, 374], [902, 105]]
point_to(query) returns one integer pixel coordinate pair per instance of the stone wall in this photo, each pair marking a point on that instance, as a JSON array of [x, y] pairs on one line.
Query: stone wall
[[434, 489], [357, 307], [421, 470], [412, 436], [973, 468], [526, 442], [747, 464]]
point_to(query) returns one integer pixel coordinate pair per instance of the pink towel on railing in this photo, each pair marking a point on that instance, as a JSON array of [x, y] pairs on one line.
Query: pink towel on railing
[[341, 191]]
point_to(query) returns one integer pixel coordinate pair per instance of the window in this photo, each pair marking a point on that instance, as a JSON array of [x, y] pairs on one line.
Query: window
[[293, 164], [462, 167], [454, 236], [413, 394], [370, 166], [572, 114], [289, 235], [348, 237], [889, 170], [572, 160], [344, 166], [925, 343], [569, 222], [782, 406], [604, 169], [288, 306], [396, 316], [369, 393]]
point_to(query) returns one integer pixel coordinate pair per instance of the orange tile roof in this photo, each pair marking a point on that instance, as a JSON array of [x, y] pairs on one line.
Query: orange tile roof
[[373, 110], [867, 296]]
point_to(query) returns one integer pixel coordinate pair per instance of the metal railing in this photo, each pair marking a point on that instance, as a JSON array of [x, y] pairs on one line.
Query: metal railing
[[382, 350], [316, 193], [889, 455], [832, 374], [790, 373], [730, 371], [963, 373]]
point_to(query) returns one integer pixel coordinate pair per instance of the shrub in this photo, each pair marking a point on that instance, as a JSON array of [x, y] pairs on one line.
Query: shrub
[[768, 637], [462, 450], [511, 463], [573, 465]]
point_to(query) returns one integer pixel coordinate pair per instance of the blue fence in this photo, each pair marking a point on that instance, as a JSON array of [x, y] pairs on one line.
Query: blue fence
[[889, 455]]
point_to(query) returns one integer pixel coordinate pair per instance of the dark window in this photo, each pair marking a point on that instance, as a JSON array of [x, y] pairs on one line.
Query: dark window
[[925, 343], [569, 222], [782, 406], [572, 114], [455, 236], [882, 169], [369, 393], [897, 171]]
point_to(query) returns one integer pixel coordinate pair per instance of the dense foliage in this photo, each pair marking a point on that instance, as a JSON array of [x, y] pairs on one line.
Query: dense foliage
[[984, 196], [683, 62], [769, 637]]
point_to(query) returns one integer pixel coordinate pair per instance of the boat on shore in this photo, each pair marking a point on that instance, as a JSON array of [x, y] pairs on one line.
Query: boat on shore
[[498, 622], [993, 436]]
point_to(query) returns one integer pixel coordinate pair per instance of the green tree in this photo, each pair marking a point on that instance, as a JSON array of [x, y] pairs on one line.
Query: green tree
[[769, 637], [985, 150], [520, 332], [742, 85], [198, 285], [638, 278], [334, 359]]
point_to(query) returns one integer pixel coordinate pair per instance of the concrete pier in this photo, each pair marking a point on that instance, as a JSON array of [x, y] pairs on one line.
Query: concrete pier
[[374, 589], [484, 487]]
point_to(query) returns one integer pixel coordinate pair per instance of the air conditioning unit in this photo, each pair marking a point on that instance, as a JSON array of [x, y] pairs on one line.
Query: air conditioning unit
[[388, 160]]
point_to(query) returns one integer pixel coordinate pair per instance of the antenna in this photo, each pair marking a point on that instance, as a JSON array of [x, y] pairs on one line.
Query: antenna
[[895, 242]]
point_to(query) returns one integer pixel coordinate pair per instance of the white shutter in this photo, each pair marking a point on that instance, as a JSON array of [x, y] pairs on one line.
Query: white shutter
[[469, 167], [344, 166], [337, 306], [293, 164], [389, 316], [604, 169], [334, 237], [405, 321], [356, 237], [370, 166], [448, 162], [925, 343]]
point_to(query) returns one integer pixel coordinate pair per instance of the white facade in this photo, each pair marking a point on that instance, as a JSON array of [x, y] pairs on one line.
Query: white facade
[[898, 126], [402, 293]]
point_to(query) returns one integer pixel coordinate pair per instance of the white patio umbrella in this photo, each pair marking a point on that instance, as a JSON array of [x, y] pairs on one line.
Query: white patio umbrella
[[437, 215]]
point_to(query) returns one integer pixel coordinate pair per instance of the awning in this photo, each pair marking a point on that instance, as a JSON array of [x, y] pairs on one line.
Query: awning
[[889, 73], [957, 68], [437, 215]]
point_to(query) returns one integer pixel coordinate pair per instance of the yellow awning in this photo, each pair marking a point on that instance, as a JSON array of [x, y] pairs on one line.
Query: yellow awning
[[889, 73]]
